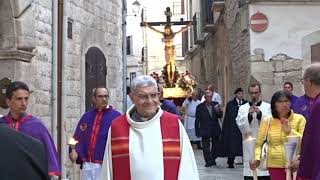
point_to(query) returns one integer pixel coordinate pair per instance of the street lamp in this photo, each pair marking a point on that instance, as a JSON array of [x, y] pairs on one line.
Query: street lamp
[[136, 7]]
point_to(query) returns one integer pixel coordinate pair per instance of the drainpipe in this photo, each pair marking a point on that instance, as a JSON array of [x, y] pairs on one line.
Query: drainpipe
[[124, 54], [54, 71], [59, 75], [63, 133]]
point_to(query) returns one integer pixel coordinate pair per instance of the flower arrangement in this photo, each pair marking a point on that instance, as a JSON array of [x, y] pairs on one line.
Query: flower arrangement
[[184, 80], [157, 77], [187, 82]]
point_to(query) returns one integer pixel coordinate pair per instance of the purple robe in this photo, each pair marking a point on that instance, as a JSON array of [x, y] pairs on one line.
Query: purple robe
[[92, 133], [293, 99], [170, 107], [302, 106], [309, 167], [33, 127]]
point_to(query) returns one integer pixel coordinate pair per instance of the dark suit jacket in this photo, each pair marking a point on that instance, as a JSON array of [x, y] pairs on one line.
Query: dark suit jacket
[[205, 125], [231, 135], [21, 157]]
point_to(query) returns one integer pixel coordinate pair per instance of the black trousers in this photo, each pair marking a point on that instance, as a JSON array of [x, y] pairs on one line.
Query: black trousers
[[231, 160], [209, 145], [259, 178]]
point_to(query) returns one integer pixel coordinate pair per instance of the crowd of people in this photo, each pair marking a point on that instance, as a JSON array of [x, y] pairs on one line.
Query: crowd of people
[[151, 140]]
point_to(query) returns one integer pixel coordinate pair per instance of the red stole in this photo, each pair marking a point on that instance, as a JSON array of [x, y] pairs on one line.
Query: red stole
[[171, 147], [16, 124]]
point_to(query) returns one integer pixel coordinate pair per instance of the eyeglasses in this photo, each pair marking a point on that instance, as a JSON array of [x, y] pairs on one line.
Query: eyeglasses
[[145, 97], [286, 101], [102, 96]]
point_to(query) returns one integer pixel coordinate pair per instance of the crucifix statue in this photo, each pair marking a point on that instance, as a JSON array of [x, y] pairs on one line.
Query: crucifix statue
[[168, 35]]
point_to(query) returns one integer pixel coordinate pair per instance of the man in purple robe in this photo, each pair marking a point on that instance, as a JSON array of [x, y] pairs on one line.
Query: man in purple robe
[[91, 134], [309, 167], [17, 97], [302, 106], [165, 104], [288, 88]]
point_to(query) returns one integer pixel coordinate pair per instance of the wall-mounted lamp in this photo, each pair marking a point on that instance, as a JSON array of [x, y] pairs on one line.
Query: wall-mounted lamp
[[136, 7]]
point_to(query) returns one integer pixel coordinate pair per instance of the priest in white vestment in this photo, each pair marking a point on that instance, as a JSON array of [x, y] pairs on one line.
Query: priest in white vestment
[[248, 120], [142, 154]]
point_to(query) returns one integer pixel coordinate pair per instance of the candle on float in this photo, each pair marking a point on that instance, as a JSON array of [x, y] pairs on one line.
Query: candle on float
[[250, 147]]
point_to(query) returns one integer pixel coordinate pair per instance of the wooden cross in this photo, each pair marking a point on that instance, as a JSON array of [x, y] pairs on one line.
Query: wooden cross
[[168, 14]]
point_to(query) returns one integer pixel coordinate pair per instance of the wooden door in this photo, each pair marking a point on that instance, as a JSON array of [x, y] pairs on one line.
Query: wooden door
[[96, 73], [315, 53]]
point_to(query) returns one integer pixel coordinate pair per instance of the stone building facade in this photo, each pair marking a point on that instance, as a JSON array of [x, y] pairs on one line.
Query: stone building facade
[[237, 56], [28, 52]]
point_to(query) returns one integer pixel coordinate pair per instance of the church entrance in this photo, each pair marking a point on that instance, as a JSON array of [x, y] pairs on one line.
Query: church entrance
[[96, 72]]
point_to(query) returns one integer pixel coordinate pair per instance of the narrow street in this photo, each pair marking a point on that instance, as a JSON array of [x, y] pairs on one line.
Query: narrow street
[[219, 172]]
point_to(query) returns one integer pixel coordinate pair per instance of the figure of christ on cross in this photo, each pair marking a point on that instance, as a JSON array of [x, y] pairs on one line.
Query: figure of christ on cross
[[169, 47]]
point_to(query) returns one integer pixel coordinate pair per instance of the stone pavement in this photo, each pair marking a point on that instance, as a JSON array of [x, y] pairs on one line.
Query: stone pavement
[[219, 172]]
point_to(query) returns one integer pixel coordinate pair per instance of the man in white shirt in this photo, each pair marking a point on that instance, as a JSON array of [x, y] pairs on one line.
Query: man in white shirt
[[148, 143], [190, 104], [215, 97], [248, 120]]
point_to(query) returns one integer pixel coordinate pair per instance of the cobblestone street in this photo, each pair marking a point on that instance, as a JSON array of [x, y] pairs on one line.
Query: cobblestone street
[[219, 172]]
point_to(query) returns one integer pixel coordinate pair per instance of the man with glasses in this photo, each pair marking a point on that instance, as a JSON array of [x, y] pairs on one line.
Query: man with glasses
[[309, 168], [248, 120], [215, 96], [147, 142], [91, 134]]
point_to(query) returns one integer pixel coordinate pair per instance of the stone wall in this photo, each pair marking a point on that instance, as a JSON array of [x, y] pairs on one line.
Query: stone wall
[[239, 44], [36, 72], [95, 24], [272, 74], [209, 61], [223, 58]]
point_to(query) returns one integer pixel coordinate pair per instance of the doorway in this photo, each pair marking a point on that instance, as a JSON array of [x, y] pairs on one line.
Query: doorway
[[96, 73]]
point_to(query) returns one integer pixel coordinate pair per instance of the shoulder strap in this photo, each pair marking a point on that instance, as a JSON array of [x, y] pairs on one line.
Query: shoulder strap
[[267, 129]]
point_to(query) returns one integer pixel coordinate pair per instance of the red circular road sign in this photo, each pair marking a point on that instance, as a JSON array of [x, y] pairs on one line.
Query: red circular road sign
[[258, 22]]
